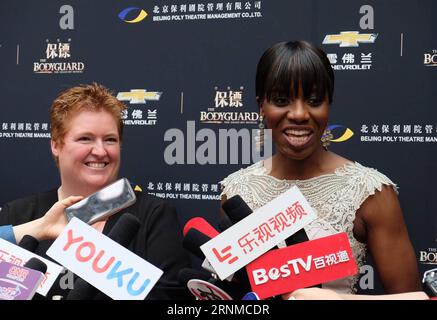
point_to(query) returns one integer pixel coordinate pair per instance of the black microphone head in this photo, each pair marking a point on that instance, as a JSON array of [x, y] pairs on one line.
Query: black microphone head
[[29, 243], [236, 208], [192, 241], [125, 229], [298, 237], [187, 274], [36, 264], [224, 223]]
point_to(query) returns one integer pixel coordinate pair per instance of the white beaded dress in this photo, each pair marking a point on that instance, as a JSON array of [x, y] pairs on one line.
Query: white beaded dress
[[334, 196]]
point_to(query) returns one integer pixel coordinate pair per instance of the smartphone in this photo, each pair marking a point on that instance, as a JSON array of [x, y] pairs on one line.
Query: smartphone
[[103, 203]]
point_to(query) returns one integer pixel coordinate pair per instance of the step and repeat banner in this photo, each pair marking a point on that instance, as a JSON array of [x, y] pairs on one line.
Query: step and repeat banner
[[186, 69]]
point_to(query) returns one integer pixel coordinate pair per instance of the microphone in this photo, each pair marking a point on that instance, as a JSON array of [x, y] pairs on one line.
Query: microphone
[[193, 240], [224, 223], [23, 252], [429, 282], [125, 229], [21, 283], [297, 237], [199, 233], [36, 264], [236, 209], [202, 225], [204, 287], [302, 265], [122, 232], [29, 243]]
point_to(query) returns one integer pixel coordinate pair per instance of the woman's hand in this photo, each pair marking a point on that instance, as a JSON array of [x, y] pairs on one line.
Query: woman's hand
[[54, 221], [50, 225]]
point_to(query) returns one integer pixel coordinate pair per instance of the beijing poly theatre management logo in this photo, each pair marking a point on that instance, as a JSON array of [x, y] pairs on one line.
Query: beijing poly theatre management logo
[[132, 15]]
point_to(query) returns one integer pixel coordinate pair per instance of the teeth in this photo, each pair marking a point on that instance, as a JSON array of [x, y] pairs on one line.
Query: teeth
[[96, 164], [299, 139], [298, 133]]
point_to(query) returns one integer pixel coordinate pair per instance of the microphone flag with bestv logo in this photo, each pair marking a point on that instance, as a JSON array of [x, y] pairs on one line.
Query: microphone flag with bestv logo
[[254, 235], [302, 265], [105, 264]]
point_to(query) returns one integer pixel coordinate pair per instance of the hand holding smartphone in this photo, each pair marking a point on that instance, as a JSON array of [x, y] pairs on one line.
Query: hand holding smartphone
[[104, 203]]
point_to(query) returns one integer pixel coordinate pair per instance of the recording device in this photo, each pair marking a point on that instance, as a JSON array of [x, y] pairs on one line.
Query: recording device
[[103, 203], [193, 240], [36, 264], [429, 282], [198, 231], [24, 252], [21, 283], [29, 243], [204, 286], [236, 209], [202, 225]]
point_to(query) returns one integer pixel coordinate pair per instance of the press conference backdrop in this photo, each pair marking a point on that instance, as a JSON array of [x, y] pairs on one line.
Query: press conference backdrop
[[184, 66]]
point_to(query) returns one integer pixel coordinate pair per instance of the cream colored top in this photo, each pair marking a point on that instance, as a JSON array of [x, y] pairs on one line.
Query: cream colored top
[[334, 196]]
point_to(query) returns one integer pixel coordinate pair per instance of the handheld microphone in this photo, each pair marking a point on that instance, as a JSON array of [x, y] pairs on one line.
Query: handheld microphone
[[204, 287], [122, 232], [23, 253], [21, 283], [201, 232], [201, 225], [29, 243], [195, 237], [224, 223], [237, 209], [192, 241], [429, 282], [36, 264], [302, 265], [205, 290]]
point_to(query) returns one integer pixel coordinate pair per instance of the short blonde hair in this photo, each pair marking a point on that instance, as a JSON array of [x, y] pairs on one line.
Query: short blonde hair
[[90, 97]]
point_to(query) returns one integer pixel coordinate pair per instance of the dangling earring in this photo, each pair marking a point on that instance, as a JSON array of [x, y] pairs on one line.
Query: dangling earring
[[259, 139], [326, 138]]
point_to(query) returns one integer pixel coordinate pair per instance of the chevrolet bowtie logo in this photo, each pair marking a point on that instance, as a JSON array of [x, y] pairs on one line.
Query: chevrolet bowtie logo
[[137, 96], [350, 38]]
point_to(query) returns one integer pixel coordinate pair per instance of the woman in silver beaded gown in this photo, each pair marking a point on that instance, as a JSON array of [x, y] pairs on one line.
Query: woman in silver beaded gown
[[294, 91]]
